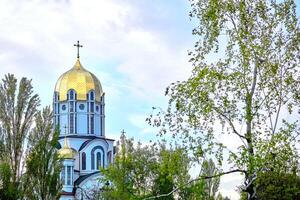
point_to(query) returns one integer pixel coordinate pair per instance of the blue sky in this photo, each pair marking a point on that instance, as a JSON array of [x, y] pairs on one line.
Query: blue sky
[[135, 47]]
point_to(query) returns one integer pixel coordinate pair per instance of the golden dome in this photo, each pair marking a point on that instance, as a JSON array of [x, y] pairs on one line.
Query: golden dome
[[80, 80], [66, 152]]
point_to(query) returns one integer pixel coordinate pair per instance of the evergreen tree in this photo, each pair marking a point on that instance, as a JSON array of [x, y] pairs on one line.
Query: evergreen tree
[[8, 190], [43, 165], [18, 106]]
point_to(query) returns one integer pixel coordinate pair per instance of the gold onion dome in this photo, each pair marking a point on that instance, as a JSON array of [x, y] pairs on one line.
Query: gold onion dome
[[80, 80], [66, 152]]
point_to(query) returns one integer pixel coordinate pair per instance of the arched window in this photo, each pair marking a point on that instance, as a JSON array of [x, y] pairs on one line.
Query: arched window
[[92, 96], [71, 95], [97, 157], [83, 161]]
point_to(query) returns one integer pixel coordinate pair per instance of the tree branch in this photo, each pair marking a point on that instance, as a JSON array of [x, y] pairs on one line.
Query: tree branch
[[194, 180], [230, 122]]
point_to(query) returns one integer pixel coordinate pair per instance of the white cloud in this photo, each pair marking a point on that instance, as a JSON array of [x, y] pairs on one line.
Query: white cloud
[[228, 185], [139, 121], [38, 36], [126, 44]]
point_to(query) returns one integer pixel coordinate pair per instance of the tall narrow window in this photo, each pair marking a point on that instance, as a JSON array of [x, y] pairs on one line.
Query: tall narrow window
[[71, 123], [56, 108], [68, 175], [71, 106], [96, 159], [109, 157], [88, 124], [72, 112], [83, 161], [90, 112], [98, 163], [71, 95], [92, 96], [92, 124], [88, 117], [92, 106], [75, 123], [92, 160], [102, 115], [63, 175]]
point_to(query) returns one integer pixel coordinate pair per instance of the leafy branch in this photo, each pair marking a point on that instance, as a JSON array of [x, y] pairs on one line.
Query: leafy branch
[[195, 180]]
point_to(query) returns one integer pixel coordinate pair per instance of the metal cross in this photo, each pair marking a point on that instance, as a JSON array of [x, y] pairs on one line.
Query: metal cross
[[78, 46], [65, 127], [123, 132]]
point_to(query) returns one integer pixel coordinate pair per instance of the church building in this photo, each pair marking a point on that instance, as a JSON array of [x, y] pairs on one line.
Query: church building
[[79, 112]]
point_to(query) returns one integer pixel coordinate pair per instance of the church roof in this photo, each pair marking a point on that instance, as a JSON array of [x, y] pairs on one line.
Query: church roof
[[80, 80], [66, 152], [84, 177], [89, 138]]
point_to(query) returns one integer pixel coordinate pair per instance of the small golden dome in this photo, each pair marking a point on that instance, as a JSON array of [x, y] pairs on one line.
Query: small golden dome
[[80, 80], [66, 152]]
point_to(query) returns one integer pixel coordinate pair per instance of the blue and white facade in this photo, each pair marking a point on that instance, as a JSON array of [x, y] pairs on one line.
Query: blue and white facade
[[80, 117], [79, 112]]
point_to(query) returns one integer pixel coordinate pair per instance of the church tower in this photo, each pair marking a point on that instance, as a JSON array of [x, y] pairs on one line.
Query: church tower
[[79, 105]]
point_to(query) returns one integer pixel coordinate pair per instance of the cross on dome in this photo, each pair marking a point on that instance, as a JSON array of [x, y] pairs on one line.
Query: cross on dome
[[78, 46], [65, 127]]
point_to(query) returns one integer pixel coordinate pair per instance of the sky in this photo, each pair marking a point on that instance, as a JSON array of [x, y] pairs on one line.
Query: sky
[[135, 47]]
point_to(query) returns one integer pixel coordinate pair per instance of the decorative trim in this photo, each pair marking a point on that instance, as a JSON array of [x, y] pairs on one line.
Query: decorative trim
[[93, 156], [67, 193], [84, 177], [84, 144], [85, 137]]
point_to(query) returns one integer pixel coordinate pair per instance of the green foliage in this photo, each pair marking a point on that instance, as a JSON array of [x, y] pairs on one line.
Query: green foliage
[[171, 172], [145, 171], [128, 173], [212, 184], [43, 165], [195, 191], [18, 106], [278, 186], [21, 144], [245, 90], [8, 190]]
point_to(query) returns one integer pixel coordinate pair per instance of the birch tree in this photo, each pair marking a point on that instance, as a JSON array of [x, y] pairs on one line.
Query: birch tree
[[250, 90]]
